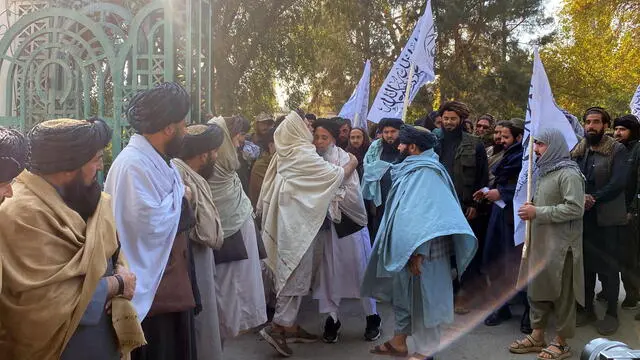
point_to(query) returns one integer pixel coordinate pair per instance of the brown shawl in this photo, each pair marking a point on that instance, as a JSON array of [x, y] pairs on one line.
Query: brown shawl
[[605, 147], [258, 170], [53, 261]]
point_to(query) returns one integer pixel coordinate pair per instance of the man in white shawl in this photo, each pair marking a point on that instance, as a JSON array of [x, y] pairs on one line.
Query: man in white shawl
[[147, 196], [196, 165], [347, 246], [239, 284], [294, 200]]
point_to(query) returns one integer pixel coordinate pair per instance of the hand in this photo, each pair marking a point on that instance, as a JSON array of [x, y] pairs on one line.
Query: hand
[[129, 279], [415, 263], [493, 195], [478, 195], [107, 306], [187, 193], [527, 211], [353, 159], [471, 213], [589, 201]]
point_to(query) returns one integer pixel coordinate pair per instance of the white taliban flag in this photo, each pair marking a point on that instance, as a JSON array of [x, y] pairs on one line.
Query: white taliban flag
[[635, 103], [542, 113], [357, 107], [389, 102]]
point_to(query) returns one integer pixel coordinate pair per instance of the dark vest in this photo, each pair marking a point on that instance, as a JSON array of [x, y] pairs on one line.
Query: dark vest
[[614, 212], [464, 168]]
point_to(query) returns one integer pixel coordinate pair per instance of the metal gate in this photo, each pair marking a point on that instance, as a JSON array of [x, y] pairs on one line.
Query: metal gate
[[78, 59]]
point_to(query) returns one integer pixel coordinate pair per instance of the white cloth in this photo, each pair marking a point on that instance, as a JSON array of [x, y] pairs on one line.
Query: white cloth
[[344, 261], [294, 198], [348, 200], [239, 288], [232, 202], [147, 197]]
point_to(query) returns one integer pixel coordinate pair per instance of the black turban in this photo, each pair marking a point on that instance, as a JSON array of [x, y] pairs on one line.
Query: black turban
[[630, 122], [417, 135], [333, 127], [152, 110], [393, 122], [14, 151], [66, 144], [200, 139], [458, 107]]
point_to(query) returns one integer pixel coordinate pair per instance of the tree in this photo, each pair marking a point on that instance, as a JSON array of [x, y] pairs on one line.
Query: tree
[[594, 60]]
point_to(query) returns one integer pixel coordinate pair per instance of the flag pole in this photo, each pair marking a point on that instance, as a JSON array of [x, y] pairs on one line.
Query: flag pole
[[407, 93], [355, 120], [527, 234]]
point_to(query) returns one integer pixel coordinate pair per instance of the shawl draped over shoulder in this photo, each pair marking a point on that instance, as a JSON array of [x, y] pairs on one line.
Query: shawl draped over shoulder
[[295, 197], [234, 205], [422, 205], [374, 170], [46, 295], [147, 197]]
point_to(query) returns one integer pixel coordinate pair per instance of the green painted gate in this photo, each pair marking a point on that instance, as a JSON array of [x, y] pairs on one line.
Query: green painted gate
[[78, 59]]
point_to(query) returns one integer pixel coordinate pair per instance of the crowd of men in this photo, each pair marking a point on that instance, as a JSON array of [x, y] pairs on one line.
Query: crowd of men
[[203, 232]]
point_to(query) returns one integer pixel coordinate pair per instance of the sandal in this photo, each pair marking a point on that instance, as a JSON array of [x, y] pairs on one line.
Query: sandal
[[421, 357], [527, 345], [389, 350], [461, 310], [565, 352]]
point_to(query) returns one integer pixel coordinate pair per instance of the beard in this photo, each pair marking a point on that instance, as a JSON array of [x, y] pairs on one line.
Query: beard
[[497, 148], [82, 198], [594, 139], [174, 146], [207, 170], [403, 155], [386, 147]]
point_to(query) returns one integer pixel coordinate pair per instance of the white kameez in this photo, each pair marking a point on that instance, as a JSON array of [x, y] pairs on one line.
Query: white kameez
[[344, 262], [239, 288]]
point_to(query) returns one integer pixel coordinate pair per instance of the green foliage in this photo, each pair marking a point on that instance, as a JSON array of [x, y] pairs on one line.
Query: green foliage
[[595, 59]]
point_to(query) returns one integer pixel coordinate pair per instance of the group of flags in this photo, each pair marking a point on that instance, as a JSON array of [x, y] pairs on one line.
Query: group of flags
[[416, 63]]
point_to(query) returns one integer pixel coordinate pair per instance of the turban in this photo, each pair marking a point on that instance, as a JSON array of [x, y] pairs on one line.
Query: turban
[[152, 110], [263, 116], [200, 139], [14, 151], [393, 122], [630, 122], [66, 144], [417, 135], [333, 127], [459, 108], [517, 123]]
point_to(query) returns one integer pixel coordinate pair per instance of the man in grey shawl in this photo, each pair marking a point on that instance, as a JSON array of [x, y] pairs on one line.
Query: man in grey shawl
[[552, 260], [196, 165]]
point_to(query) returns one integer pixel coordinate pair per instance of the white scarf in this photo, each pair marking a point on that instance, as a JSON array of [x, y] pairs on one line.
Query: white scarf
[[147, 201], [295, 196], [348, 199], [234, 205]]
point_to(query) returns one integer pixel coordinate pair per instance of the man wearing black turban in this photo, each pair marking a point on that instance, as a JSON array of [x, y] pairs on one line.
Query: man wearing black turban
[[627, 132], [154, 219], [14, 151], [60, 299], [196, 165], [376, 181]]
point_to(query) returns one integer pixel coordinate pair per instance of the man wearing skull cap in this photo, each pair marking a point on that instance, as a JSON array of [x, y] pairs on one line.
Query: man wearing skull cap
[[73, 303]]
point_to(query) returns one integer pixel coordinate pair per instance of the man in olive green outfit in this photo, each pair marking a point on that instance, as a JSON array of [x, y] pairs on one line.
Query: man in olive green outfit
[[552, 261]]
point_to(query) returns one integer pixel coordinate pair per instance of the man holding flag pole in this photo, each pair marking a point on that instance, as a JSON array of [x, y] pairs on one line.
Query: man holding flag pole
[[552, 254]]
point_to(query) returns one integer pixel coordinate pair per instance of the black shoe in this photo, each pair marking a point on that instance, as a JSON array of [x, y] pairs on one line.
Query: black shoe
[[630, 303], [600, 297], [607, 326], [585, 317], [331, 331], [496, 318], [372, 332]]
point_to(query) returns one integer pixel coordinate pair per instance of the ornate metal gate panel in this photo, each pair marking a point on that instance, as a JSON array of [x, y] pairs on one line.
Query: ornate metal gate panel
[[87, 60]]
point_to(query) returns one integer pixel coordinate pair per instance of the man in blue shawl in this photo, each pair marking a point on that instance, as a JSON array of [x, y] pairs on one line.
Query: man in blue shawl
[[422, 226]]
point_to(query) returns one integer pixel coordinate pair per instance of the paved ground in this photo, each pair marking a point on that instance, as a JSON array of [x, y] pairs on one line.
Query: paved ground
[[468, 338]]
